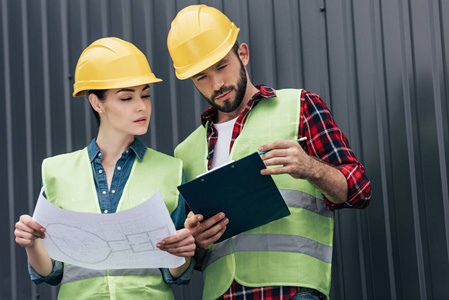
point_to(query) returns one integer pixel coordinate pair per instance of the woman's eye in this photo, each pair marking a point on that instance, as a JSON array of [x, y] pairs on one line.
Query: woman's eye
[[126, 99], [146, 96]]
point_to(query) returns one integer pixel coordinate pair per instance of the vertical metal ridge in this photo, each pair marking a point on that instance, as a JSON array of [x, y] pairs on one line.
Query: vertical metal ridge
[[126, 21], [28, 117], [104, 18], [87, 118], [352, 108], [380, 93], [361, 254], [300, 46], [171, 11], [411, 153], [329, 79], [354, 118], [149, 50], [275, 68], [46, 78], [65, 73], [197, 105], [324, 65], [350, 65], [439, 121], [27, 93], [337, 234], [9, 148]]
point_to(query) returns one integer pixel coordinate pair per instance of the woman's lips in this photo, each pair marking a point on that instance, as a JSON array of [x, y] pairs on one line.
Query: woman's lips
[[141, 121]]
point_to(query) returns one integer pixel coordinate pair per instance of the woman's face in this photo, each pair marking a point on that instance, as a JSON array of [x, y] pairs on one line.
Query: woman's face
[[127, 110]]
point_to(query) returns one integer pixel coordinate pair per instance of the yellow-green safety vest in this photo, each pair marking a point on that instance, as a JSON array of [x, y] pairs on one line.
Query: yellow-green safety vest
[[293, 251], [70, 185]]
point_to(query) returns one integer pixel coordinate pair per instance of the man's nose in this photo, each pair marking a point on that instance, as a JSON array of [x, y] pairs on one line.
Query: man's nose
[[217, 82]]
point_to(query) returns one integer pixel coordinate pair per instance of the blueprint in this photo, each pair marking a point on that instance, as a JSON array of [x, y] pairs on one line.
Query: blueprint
[[123, 240]]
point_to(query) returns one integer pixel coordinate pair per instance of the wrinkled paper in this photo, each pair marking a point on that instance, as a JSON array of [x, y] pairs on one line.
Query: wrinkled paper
[[122, 240]]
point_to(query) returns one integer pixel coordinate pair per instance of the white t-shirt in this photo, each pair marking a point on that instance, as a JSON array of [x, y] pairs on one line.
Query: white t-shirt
[[221, 150]]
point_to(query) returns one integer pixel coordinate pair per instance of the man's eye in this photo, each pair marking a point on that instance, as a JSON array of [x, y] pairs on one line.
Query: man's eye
[[126, 99], [222, 67]]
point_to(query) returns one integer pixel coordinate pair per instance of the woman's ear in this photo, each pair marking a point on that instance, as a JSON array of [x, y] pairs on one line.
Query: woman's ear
[[95, 102]]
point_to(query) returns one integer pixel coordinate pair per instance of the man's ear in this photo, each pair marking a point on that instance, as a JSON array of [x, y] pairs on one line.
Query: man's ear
[[243, 52]]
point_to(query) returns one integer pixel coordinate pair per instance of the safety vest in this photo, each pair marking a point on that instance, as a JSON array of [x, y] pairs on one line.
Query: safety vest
[[293, 251], [70, 185]]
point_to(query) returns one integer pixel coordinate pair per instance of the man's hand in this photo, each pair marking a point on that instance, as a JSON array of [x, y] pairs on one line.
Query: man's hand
[[181, 244], [292, 159], [27, 231], [208, 231]]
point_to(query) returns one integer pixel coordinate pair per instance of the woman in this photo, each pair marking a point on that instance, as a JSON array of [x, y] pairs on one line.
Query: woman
[[119, 169]]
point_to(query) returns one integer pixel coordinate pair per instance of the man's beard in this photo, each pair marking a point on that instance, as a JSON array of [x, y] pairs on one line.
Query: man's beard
[[229, 106]]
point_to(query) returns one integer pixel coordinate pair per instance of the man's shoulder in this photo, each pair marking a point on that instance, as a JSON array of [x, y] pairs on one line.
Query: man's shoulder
[[289, 93], [152, 154], [191, 141]]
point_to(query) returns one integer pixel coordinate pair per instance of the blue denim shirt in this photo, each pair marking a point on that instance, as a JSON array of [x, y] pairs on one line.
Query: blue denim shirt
[[109, 199]]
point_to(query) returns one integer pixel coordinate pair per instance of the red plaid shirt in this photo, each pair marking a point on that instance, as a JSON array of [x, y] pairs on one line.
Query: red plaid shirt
[[324, 141]]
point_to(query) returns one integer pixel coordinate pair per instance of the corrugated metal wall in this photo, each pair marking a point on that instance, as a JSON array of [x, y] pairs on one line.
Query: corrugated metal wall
[[381, 65]]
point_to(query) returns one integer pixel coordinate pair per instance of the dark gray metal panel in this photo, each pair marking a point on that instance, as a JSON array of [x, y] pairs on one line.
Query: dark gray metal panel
[[381, 66]]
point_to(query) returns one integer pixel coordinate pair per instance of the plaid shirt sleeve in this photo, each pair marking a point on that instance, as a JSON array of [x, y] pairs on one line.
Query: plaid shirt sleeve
[[328, 143]]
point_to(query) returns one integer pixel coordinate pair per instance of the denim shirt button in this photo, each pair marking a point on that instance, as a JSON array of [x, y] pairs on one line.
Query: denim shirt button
[[113, 191], [100, 171], [105, 211], [119, 168], [104, 192]]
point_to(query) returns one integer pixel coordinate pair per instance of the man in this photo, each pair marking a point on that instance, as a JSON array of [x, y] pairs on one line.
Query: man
[[290, 257]]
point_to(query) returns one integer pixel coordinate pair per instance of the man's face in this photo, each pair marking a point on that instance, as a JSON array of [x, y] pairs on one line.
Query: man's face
[[224, 84]]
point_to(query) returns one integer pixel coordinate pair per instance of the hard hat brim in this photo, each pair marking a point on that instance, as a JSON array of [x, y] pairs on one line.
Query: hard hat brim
[[80, 88]]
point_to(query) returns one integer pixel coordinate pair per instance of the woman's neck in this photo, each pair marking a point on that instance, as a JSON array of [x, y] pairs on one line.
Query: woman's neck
[[112, 146]]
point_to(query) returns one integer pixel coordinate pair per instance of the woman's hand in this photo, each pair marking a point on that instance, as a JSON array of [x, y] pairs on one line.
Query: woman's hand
[[27, 231], [181, 244]]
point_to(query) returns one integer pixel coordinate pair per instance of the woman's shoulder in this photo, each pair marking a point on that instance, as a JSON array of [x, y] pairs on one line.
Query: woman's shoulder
[[69, 157]]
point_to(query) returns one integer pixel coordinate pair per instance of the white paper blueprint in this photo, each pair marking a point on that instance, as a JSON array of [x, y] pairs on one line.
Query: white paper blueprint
[[123, 240]]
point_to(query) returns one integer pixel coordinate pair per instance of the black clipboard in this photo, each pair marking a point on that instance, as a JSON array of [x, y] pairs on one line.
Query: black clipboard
[[248, 198]]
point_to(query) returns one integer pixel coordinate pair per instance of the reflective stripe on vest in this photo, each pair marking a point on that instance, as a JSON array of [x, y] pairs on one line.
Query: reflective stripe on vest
[[279, 242], [74, 273], [272, 243], [307, 201]]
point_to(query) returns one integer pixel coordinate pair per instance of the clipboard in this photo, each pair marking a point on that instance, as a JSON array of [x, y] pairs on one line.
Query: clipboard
[[248, 198]]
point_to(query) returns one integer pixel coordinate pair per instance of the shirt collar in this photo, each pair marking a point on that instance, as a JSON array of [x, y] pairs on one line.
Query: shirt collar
[[264, 92], [138, 147]]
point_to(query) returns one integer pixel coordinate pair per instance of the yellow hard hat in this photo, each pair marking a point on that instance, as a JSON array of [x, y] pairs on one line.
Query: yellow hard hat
[[199, 37], [111, 63]]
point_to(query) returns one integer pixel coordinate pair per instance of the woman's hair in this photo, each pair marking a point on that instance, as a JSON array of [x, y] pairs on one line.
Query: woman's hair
[[101, 95]]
